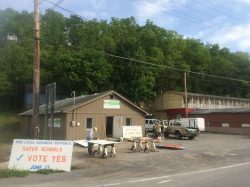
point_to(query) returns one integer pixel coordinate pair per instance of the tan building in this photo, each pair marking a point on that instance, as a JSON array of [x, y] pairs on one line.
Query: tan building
[[172, 103], [108, 111]]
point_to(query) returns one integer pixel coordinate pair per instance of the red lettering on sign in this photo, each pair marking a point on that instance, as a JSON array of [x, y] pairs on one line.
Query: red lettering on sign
[[59, 158], [51, 149], [37, 158], [30, 148]]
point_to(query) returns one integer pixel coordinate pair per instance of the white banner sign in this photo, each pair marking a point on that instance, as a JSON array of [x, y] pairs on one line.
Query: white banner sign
[[35, 155], [132, 131]]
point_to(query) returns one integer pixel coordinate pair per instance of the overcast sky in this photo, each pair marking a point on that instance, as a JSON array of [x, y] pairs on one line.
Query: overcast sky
[[226, 22]]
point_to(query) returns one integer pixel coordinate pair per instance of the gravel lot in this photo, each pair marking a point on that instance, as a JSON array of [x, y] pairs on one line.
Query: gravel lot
[[205, 152]]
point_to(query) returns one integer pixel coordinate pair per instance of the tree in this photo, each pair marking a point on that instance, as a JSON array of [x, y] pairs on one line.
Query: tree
[[84, 71]]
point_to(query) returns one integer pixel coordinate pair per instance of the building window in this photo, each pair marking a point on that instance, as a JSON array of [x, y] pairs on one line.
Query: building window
[[128, 121], [89, 124]]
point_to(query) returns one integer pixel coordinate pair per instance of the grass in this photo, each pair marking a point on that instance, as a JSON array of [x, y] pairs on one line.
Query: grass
[[7, 173], [9, 128]]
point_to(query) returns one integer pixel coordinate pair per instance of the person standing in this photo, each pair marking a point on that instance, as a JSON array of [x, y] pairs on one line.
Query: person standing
[[157, 129], [92, 135]]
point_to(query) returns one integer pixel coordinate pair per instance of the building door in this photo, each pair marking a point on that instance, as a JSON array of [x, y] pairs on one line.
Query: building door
[[117, 126], [109, 126]]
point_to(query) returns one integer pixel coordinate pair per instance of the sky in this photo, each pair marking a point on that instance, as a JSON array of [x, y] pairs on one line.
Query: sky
[[223, 22]]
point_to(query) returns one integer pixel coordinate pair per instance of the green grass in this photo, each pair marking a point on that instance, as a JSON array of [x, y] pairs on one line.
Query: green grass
[[9, 127], [7, 173]]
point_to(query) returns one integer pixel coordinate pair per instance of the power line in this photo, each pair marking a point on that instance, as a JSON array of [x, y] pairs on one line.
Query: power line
[[181, 15], [145, 62], [57, 3], [174, 11], [67, 10], [160, 65], [204, 13], [193, 19], [173, 68], [209, 7], [148, 63], [217, 83]]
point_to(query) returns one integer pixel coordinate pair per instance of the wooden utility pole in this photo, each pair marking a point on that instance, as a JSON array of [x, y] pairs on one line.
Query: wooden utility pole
[[36, 70], [186, 102]]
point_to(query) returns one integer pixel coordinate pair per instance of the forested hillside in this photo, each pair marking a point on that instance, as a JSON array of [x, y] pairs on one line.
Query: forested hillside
[[81, 55]]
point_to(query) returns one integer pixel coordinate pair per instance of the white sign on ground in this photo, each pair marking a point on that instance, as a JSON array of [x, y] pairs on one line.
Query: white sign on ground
[[35, 155], [132, 131]]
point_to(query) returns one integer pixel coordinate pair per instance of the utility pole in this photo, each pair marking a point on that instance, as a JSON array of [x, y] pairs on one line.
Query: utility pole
[[185, 86], [36, 70]]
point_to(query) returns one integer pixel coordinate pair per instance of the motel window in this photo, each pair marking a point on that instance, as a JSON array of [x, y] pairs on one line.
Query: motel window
[[89, 123], [128, 121]]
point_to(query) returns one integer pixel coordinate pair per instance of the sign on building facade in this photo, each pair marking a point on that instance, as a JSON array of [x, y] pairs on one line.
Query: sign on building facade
[[111, 104]]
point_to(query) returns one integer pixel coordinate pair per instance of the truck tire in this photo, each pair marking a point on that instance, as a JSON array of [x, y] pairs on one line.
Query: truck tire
[[178, 135], [191, 137], [166, 134]]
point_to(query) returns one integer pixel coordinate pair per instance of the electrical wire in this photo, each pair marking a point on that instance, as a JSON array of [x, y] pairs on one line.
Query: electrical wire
[[197, 20], [177, 14], [209, 7], [173, 68], [57, 3], [149, 63], [67, 10], [218, 83]]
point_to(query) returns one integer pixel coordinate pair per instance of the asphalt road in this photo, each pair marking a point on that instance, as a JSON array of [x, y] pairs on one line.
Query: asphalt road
[[209, 160]]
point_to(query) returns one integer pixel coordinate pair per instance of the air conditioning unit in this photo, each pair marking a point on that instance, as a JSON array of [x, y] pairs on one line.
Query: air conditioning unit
[[73, 123]]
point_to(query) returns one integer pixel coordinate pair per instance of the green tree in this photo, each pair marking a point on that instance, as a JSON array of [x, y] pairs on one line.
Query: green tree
[[84, 71]]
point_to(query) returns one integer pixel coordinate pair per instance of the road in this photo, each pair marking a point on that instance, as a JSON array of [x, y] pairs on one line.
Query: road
[[228, 176], [210, 160]]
